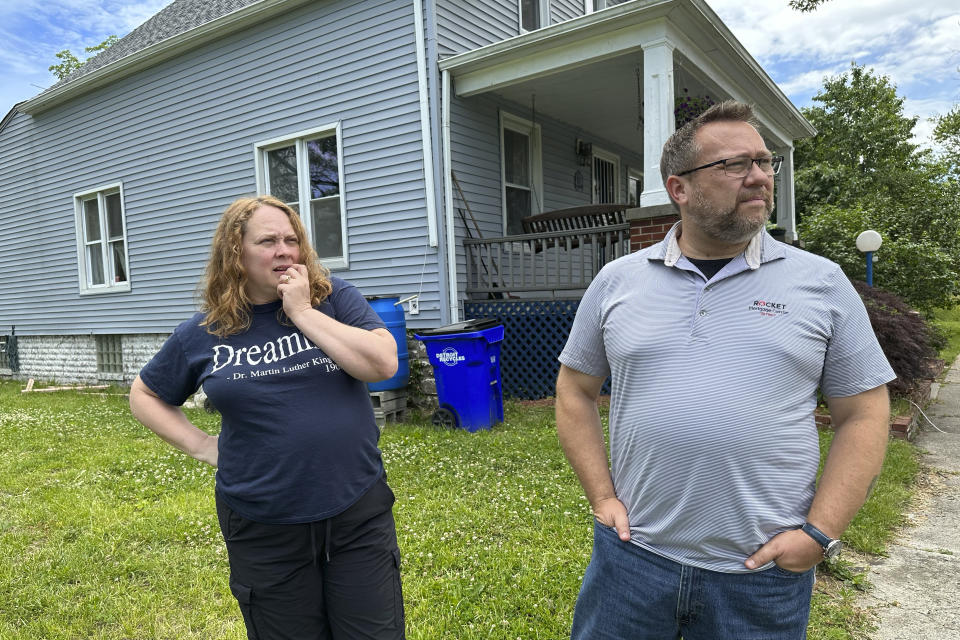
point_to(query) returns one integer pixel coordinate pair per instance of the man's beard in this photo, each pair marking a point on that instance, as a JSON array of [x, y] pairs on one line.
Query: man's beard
[[725, 224]]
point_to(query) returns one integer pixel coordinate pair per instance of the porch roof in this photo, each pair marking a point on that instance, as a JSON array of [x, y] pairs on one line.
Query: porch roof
[[576, 69]]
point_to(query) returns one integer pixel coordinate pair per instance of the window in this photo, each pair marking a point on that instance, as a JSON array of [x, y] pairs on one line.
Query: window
[[101, 240], [634, 186], [304, 170], [4, 354], [521, 172], [109, 355], [606, 177], [595, 5], [533, 14]]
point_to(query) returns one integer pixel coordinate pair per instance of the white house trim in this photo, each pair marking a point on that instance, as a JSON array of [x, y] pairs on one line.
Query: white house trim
[[429, 191], [453, 300], [658, 118], [619, 30]]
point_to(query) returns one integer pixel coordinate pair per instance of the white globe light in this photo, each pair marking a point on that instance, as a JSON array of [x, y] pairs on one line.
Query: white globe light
[[869, 240]]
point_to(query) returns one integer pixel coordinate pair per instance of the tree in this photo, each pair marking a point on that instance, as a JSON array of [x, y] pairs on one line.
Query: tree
[[70, 63], [863, 142], [946, 133], [806, 5], [861, 171]]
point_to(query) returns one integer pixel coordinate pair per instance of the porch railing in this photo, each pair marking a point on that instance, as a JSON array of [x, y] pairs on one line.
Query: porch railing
[[554, 262]]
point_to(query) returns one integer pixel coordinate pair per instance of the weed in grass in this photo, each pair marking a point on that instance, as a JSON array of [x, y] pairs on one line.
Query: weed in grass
[[847, 572]]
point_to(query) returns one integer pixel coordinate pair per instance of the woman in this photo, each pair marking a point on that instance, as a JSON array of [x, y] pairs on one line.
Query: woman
[[283, 351]]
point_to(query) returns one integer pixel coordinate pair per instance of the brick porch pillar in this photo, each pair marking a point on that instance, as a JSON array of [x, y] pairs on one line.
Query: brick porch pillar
[[645, 231]]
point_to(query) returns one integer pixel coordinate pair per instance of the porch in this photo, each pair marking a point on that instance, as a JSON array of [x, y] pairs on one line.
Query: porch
[[574, 114], [557, 256], [569, 117]]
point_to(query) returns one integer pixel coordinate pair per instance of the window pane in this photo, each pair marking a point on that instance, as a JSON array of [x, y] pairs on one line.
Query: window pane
[[114, 216], [530, 14], [327, 231], [516, 157], [282, 168], [518, 207], [324, 172], [91, 219], [119, 261], [95, 264], [604, 180]]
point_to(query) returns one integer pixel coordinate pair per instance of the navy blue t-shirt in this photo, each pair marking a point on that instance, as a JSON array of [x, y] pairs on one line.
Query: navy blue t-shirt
[[299, 440]]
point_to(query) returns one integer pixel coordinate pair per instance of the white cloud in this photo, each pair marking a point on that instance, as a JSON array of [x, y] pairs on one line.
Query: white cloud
[[33, 31], [916, 44], [810, 82]]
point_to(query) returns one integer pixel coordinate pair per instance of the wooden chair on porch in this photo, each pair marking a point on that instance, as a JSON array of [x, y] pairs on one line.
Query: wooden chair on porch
[[581, 218], [585, 217]]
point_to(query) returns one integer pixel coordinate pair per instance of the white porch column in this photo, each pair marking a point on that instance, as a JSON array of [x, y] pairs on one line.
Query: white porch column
[[786, 204], [658, 119]]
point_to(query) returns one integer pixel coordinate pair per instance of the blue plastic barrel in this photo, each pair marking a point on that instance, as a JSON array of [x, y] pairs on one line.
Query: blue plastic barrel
[[466, 366], [392, 316]]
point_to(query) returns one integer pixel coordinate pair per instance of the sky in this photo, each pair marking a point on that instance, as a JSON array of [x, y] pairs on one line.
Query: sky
[[916, 43]]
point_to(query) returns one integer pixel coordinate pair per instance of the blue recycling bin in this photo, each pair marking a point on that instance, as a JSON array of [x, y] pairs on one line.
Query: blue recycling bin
[[390, 311], [466, 366]]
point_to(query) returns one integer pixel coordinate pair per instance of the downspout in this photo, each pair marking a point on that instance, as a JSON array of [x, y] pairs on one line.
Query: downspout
[[430, 192], [448, 203], [433, 82]]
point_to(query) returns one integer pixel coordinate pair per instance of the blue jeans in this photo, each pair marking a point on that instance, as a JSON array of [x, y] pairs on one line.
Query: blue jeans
[[629, 593]]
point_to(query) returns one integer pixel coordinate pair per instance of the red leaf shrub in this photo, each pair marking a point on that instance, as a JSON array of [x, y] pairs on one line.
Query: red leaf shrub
[[907, 339]]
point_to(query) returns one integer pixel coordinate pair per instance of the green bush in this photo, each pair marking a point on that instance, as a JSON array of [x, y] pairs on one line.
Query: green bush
[[915, 268]]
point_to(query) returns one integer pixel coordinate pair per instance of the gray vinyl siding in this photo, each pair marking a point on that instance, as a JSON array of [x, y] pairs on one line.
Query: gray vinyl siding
[[475, 151], [562, 10], [180, 137], [464, 25]]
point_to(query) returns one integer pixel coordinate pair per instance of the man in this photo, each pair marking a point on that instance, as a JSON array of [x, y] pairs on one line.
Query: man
[[709, 522]]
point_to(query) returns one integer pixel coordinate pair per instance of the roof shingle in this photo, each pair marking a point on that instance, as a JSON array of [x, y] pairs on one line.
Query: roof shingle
[[177, 17]]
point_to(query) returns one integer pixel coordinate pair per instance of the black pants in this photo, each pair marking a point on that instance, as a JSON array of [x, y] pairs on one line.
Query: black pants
[[335, 579]]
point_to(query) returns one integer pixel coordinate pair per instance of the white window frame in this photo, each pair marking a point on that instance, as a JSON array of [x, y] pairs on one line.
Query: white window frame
[[110, 285], [590, 6], [5, 354], [532, 131], [543, 8], [608, 157], [299, 139], [637, 175]]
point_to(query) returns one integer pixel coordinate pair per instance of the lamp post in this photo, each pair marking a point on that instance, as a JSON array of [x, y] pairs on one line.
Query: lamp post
[[868, 242]]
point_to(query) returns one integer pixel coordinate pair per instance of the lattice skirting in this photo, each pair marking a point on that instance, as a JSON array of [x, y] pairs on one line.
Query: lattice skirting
[[535, 332]]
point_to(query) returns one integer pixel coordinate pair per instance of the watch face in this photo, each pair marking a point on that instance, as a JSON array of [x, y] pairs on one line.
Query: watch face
[[833, 549]]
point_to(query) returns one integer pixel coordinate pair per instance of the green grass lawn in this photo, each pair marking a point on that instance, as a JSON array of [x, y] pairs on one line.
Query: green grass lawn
[[949, 321], [108, 533]]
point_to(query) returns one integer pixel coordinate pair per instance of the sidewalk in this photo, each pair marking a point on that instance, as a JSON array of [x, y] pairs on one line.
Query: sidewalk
[[917, 588]]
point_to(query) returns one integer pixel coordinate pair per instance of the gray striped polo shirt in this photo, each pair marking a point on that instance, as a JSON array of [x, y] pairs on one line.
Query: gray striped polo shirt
[[712, 435]]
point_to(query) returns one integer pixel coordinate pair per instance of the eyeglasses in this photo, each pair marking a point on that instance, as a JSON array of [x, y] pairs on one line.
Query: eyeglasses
[[740, 167]]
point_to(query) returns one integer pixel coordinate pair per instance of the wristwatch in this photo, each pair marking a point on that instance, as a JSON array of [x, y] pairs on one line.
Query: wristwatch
[[831, 547]]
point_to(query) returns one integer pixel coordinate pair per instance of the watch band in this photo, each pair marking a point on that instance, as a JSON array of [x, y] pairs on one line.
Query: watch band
[[822, 539], [831, 546]]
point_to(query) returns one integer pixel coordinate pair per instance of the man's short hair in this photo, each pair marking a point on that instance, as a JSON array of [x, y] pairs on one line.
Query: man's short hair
[[681, 149]]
